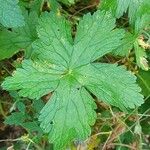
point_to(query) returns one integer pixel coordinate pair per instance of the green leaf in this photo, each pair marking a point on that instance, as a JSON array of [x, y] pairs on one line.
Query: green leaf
[[38, 105], [126, 45], [135, 8], [65, 67], [109, 5], [18, 39], [144, 8], [55, 43], [10, 14], [96, 36], [8, 46], [122, 7], [68, 2], [141, 56], [21, 107], [111, 84], [15, 118], [32, 127], [54, 5], [34, 79], [141, 23], [144, 81], [36, 5], [68, 115]]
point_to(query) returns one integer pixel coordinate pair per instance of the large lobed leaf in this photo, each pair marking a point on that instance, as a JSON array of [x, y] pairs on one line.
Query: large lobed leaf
[[66, 67]]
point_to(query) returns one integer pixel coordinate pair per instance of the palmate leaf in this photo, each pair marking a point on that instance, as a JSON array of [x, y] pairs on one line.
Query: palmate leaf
[[66, 67], [10, 14]]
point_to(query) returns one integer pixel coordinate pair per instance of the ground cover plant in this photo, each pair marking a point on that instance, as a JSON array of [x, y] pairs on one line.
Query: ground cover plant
[[75, 74]]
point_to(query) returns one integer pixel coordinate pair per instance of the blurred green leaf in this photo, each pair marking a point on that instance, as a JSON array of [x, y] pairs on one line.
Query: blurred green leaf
[[144, 82], [32, 127], [10, 14], [126, 45], [141, 56], [18, 39], [15, 118]]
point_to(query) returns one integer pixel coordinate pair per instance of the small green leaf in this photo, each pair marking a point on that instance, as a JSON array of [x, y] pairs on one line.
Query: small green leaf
[[18, 39], [141, 56], [141, 23], [68, 2], [32, 127], [10, 14], [122, 7], [15, 118], [9, 43], [138, 129], [144, 8], [36, 5], [21, 107], [54, 5], [144, 82], [135, 8], [109, 5], [38, 105]]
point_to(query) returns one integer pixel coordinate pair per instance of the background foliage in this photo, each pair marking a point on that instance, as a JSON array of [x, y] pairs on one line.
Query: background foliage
[[21, 33]]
